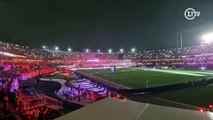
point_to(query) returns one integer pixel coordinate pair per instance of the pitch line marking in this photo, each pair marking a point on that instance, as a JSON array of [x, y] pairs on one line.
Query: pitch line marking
[[141, 112]]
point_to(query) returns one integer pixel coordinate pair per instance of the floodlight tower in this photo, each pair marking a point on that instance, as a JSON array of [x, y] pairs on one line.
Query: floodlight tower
[[181, 41], [208, 38]]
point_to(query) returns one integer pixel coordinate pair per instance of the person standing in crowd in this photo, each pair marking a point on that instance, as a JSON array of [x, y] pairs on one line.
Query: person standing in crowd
[[79, 92], [35, 113], [42, 113]]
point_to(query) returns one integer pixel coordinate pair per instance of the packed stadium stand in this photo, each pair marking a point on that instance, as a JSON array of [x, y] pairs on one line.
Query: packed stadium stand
[[22, 63], [193, 56]]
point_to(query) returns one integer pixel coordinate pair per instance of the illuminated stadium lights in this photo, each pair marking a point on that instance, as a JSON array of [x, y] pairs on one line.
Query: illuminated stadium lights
[[56, 48], [110, 50], [118, 96], [44, 47], [133, 50], [203, 68], [87, 50], [7, 54], [95, 60], [208, 38], [121, 50], [11, 54], [69, 49]]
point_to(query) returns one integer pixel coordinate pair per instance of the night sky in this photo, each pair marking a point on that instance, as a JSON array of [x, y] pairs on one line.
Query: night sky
[[103, 24]]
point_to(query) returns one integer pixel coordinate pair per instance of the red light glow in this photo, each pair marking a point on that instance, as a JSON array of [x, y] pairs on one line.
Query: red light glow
[[118, 96], [109, 94]]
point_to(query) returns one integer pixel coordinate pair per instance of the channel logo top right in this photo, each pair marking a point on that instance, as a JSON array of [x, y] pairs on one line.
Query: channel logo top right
[[191, 13]]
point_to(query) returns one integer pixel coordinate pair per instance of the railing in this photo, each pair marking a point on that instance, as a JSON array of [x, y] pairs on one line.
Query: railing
[[103, 82], [44, 100]]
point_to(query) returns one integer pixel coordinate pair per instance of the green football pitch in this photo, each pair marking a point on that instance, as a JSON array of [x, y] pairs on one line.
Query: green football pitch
[[142, 78], [193, 96]]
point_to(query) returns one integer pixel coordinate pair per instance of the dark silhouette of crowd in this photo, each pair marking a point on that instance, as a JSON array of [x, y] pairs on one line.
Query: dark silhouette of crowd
[[13, 104]]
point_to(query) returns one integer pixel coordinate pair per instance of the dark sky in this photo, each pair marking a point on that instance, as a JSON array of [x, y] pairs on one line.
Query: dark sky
[[144, 24]]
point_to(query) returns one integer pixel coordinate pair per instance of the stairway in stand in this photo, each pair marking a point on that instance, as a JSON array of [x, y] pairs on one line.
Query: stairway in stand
[[41, 100]]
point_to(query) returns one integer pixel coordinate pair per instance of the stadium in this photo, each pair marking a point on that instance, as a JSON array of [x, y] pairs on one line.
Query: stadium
[[168, 75], [47, 78]]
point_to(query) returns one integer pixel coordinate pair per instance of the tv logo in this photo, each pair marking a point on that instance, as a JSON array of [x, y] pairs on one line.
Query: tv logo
[[190, 13]]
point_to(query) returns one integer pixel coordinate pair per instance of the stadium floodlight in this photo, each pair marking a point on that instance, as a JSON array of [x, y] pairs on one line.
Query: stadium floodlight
[[69, 49], [133, 50], [56, 48], [208, 38], [110, 50], [121, 50], [87, 50], [44, 47], [203, 68]]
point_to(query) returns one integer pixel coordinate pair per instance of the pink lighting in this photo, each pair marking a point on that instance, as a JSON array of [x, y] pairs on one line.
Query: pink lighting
[[10, 54], [95, 60], [7, 54]]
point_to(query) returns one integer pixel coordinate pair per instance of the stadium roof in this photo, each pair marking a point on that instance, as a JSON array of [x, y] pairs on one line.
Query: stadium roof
[[114, 109]]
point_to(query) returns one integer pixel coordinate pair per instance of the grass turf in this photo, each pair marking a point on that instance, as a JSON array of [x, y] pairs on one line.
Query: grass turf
[[193, 96], [138, 78]]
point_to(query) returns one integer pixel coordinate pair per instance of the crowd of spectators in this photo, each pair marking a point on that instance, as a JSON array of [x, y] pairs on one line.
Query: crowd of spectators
[[200, 55], [12, 72], [24, 51], [193, 57], [11, 95]]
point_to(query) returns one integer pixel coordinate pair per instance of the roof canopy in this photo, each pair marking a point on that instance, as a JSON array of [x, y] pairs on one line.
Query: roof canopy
[[115, 109]]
